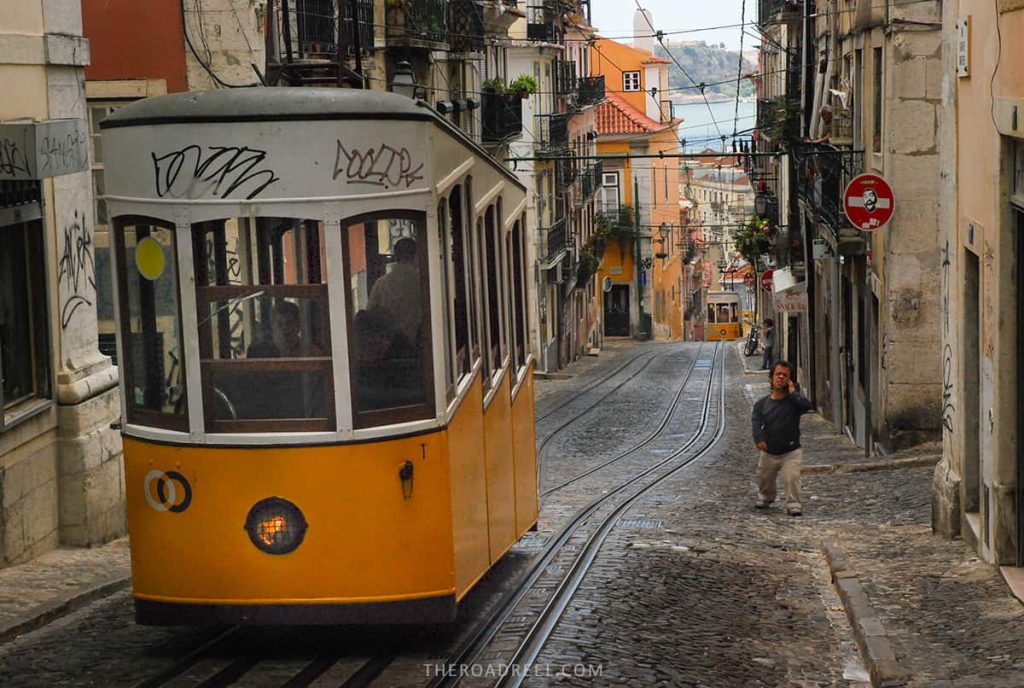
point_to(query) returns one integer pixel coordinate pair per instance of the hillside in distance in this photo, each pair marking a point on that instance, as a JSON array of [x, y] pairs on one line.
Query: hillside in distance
[[711, 64]]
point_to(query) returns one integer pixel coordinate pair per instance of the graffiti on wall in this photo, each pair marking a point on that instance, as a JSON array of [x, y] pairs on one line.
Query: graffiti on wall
[[948, 377], [77, 270]]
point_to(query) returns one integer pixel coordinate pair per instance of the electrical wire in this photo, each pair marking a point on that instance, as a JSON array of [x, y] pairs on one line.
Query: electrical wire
[[195, 53], [658, 35]]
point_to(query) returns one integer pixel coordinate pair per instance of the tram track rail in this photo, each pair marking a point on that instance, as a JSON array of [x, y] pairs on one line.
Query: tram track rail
[[540, 630], [666, 417], [576, 394]]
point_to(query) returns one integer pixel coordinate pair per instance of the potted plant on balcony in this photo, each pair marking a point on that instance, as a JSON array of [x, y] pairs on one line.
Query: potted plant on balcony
[[494, 85], [522, 86]]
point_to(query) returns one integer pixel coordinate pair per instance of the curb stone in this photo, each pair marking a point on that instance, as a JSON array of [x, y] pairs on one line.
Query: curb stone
[[833, 468], [50, 611], [868, 631]]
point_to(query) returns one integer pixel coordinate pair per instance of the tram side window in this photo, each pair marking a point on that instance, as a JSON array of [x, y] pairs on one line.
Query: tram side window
[[514, 254], [459, 277], [264, 331], [388, 318], [153, 364], [492, 271]]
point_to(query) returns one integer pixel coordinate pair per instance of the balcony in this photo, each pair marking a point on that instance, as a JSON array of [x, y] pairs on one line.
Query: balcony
[[502, 118], [778, 119], [565, 77], [590, 182], [555, 239], [465, 26], [309, 45], [542, 22], [777, 10], [591, 90], [822, 174], [417, 23], [552, 133]]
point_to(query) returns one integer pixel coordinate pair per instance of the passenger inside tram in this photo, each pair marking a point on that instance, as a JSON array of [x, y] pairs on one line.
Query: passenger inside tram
[[388, 332]]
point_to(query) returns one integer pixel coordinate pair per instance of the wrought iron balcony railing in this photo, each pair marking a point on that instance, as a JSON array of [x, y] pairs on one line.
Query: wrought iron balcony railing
[[552, 133], [591, 181], [565, 77], [417, 22], [555, 241], [822, 174], [502, 117], [591, 90], [309, 29], [541, 22], [777, 10], [466, 26]]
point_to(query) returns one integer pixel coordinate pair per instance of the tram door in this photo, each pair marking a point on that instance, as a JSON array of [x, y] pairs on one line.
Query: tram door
[[616, 311]]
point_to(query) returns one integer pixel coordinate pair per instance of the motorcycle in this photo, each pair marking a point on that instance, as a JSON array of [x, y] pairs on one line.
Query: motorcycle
[[753, 341]]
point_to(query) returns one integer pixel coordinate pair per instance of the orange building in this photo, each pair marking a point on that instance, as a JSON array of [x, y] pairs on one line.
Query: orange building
[[643, 292]]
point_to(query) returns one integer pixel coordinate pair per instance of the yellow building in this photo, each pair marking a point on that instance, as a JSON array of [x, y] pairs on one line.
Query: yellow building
[[639, 196]]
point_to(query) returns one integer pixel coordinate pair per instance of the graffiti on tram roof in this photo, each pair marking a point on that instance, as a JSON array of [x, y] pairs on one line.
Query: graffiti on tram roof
[[380, 165], [223, 169]]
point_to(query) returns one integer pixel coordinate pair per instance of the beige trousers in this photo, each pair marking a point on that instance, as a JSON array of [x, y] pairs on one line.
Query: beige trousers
[[768, 467]]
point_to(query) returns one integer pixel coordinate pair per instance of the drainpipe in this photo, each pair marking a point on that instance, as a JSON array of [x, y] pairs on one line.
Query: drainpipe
[[641, 331], [837, 395]]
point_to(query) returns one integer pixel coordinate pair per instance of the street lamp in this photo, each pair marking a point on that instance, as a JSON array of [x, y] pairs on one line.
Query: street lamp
[[761, 204], [664, 230], [403, 81]]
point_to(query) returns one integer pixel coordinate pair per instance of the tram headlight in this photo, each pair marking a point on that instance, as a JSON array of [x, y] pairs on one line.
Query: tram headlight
[[276, 526]]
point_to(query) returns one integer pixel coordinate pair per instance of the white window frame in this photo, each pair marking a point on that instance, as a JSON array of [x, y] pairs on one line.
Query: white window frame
[[631, 81]]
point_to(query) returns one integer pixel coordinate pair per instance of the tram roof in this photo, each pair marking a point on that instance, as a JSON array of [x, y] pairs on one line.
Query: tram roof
[[261, 104]]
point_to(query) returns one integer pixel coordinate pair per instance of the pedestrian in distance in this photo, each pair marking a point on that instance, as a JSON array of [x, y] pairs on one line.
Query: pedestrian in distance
[[768, 342], [776, 426]]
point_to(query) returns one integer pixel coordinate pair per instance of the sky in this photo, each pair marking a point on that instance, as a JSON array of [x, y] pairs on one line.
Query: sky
[[614, 19]]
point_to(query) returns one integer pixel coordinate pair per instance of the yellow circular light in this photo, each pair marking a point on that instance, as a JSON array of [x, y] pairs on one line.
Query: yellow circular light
[[149, 258]]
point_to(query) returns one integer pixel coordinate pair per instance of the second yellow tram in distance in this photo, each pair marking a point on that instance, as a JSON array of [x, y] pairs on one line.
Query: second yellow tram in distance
[[725, 316], [327, 389]]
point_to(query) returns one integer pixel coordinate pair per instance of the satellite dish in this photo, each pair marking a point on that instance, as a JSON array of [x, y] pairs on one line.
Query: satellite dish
[[606, 284]]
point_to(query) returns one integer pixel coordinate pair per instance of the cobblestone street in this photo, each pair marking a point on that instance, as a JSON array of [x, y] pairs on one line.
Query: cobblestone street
[[693, 587]]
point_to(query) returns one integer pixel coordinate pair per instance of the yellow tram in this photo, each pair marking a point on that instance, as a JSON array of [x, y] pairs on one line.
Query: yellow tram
[[725, 316], [328, 410]]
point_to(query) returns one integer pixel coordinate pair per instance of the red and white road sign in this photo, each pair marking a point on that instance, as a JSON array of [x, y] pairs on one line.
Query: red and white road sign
[[766, 279], [868, 202]]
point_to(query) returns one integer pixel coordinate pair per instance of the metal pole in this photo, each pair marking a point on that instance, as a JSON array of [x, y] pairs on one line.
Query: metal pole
[[837, 393], [640, 329]]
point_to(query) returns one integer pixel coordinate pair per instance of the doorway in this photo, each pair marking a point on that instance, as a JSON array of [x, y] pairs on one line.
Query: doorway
[[616, 311]]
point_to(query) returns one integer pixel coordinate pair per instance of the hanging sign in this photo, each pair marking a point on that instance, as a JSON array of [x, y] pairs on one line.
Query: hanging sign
[[766, 280]]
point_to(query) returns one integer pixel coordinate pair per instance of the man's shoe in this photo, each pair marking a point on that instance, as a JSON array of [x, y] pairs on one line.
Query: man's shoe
[[762, 504], [793, 511]]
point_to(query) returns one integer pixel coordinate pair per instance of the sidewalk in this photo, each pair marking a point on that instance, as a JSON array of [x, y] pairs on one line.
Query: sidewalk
[[58, 582], [925, 611]]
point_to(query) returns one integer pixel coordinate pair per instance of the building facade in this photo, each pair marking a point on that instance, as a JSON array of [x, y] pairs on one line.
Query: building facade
[[977, 490], [866, 338], [640, 194], [60, 468]]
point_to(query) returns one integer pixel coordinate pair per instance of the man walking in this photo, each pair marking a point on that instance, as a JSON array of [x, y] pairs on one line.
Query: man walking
[[768, 342], [776, 425]]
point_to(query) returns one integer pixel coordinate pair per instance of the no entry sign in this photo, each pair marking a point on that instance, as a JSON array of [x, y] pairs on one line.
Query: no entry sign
[[869, 202]]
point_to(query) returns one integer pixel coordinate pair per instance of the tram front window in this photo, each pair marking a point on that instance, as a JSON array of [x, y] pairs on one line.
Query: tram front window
[[264, 335], [151, 324], [388, 319]]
